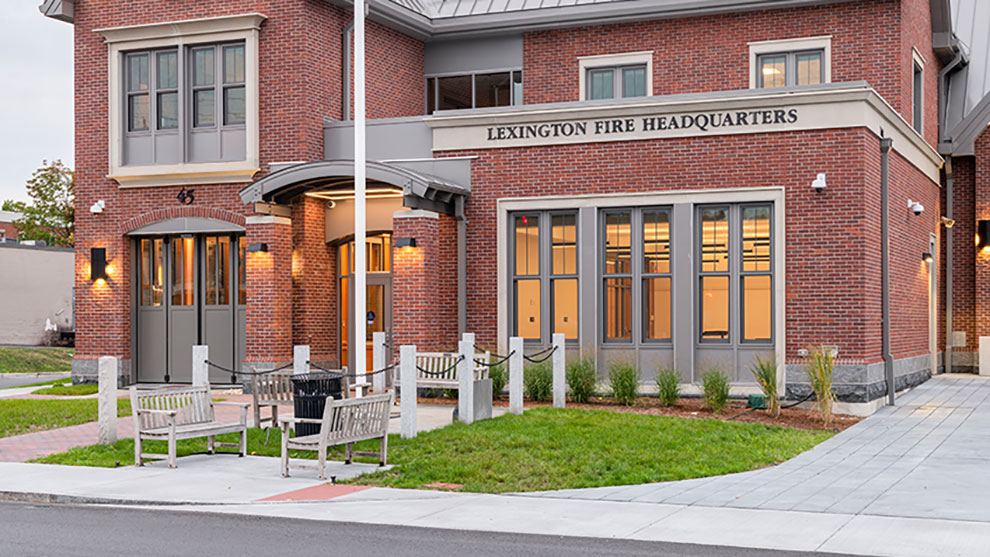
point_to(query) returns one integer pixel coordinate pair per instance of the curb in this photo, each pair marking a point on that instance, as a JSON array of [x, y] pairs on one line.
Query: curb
[[42, 375], [56, 499]]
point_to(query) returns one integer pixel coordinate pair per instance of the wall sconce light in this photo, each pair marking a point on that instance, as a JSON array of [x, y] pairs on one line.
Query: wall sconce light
[[982, 235], [927, 257], [257, 247], [97, 263], [405, 242], [819, 183], [948, 223]]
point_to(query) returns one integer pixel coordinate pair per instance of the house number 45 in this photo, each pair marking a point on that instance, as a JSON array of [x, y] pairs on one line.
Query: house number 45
[[186, 197]]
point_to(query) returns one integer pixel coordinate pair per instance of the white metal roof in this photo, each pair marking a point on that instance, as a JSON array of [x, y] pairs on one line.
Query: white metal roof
[[968, 99]]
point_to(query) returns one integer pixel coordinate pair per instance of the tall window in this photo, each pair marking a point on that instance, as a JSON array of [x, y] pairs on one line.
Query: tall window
[[479, 90], [616, 82], [208, 83], [917, 93], [636, 272], [544, 271], [735, 248], [785, 69]]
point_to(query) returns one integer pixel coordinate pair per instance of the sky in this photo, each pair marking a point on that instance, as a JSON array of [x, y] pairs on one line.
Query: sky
[[35, 96]]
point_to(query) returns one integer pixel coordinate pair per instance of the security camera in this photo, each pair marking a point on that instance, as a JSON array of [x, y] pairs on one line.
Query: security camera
[[98, 207], [819, 183], [916, 208]]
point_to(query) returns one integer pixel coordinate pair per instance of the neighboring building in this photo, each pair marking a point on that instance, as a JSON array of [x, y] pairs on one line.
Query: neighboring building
[[35, 292], [8, 233], [643, 176]]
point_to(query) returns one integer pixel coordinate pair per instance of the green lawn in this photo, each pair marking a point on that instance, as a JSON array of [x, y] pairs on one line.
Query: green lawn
[[544, 449], [34, 360], [18, 416], [63, 389]]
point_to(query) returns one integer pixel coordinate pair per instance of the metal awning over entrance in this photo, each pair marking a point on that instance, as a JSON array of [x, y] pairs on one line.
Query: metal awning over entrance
[[187, 225], [419, 190]]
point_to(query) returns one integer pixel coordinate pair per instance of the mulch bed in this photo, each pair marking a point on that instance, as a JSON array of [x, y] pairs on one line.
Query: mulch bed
[[797, 418]]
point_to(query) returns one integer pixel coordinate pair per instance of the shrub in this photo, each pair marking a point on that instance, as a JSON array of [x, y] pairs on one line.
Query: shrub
[[538, 380], [581, 379], [668, 386], [624, 380], [819, 367], [765, 371], [500, 376], [715, 389]]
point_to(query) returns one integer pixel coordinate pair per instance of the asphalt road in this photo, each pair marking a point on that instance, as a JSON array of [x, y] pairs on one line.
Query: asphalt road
[[41, 530]]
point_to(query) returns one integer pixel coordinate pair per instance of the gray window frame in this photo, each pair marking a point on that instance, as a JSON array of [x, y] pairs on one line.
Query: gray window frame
[[225, 85], [636, 275], [790, 66], [618, 83], [152, 93], [514, 98], [736, 335], [917, 97], [545, 273]]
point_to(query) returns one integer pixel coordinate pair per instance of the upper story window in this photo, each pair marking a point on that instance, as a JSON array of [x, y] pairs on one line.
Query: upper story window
[[790, 62], [917, 91], [616, 82], [616, 76], [184, 101], [476, 90]]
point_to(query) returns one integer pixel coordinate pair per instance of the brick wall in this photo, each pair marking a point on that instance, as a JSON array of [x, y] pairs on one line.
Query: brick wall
[[981, 187], [964, 255], [269, 294], [832, 239], [711, 53], [8, 229], [314, 280]]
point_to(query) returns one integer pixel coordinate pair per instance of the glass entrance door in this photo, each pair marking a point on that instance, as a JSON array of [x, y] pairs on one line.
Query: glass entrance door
[[378, 305]]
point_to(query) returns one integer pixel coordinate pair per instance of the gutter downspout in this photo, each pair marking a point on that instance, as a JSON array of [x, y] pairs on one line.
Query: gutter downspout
[[888, 359], [949, 183], [345, 64]]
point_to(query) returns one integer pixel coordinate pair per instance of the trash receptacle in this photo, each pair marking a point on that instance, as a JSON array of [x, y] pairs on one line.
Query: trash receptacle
[[309, 394]]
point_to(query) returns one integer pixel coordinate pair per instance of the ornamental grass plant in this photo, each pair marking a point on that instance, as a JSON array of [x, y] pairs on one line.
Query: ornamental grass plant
[[538, 381], [715, 389], [499, 376], [819, 367], [623, 377], [765, 371], [668, 386], [582, 379]]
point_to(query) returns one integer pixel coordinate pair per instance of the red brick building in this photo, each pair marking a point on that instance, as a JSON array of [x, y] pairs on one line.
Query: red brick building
[[680, 186], [7, 229]]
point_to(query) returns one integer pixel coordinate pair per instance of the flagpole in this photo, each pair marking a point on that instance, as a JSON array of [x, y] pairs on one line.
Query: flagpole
[[359, 327]]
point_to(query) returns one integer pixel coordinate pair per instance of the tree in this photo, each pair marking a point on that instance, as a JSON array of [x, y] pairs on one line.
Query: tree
[[51, 214]]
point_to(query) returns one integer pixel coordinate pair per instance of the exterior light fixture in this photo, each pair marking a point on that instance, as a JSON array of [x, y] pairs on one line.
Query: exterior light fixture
[[916, 208], [819, 183], [927, 257], [405, 242], [948, 223], [982, 235], [97, 263], [257, 247]]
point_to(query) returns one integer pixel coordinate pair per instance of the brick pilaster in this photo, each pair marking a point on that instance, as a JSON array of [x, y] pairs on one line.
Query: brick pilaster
[[269, 291]]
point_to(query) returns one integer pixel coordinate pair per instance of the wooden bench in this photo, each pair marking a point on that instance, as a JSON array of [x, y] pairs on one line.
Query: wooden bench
[[271, 390], [442, 372], [344, 422], [181, 413]]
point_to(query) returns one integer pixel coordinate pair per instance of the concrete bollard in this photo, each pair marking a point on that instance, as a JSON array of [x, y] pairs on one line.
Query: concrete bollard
[[516, 375], [300, 359], [378, 361], [200, 371], [465, 380], [559, 373], [107, 400], [407, 379]]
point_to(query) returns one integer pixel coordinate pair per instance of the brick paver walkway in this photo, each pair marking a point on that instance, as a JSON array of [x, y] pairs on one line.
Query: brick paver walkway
[[22, 448]]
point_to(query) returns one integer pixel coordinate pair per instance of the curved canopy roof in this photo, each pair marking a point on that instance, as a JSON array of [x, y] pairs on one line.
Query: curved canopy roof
[[184, 225], [419, 189]]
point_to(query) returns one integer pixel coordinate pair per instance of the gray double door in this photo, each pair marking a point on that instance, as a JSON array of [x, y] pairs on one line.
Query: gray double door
[[189, 290]]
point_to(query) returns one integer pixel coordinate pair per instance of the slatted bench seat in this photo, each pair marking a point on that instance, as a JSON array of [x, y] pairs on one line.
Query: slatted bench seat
[[344, 422], [435, 363], [171, 414]]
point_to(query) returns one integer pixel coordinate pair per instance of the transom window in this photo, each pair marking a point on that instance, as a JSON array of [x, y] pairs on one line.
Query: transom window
[[544, 260], [616, 82], [784, 69], [478, 90], [637, 271]]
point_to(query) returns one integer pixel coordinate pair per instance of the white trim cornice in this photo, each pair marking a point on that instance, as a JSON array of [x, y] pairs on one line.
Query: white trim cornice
[[186, 28]]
